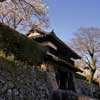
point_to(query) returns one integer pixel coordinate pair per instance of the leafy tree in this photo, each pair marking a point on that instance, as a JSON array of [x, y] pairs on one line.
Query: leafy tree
[[87, 42], [22, 13]]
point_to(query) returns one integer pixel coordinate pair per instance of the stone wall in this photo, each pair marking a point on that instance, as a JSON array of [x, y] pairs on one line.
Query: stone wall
[[84, 90], [23, 82], [20, 82], [82, 87], [69, 95], [52, 76]]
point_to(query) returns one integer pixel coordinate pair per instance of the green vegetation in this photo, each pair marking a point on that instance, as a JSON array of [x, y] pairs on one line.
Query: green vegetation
[[23, 48], [80, 76], [8, 57], [84, 78]]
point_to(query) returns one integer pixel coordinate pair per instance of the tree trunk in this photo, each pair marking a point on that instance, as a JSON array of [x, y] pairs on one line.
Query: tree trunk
[[92, 71]]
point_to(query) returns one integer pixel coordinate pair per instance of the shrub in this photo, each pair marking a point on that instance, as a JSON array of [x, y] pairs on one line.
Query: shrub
[[8, 57], [23, 48]]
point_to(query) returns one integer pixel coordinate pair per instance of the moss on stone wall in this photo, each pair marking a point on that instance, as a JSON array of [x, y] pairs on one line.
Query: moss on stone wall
[[23, 48]]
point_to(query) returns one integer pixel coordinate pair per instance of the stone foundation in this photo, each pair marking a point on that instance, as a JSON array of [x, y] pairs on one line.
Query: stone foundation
[[82, 87], [68, 95], [20, 82]]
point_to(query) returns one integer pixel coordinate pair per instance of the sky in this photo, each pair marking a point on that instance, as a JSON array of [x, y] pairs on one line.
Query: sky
[[67, 16]]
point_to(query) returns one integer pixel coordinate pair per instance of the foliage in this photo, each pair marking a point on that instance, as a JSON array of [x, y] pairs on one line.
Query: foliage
[[23, 48], [87, 42], [8, 57], [80, 77], [23, 13], [2, 54]]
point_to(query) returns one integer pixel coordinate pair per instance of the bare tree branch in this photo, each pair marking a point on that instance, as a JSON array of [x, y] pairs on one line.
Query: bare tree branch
[[87, 43]]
